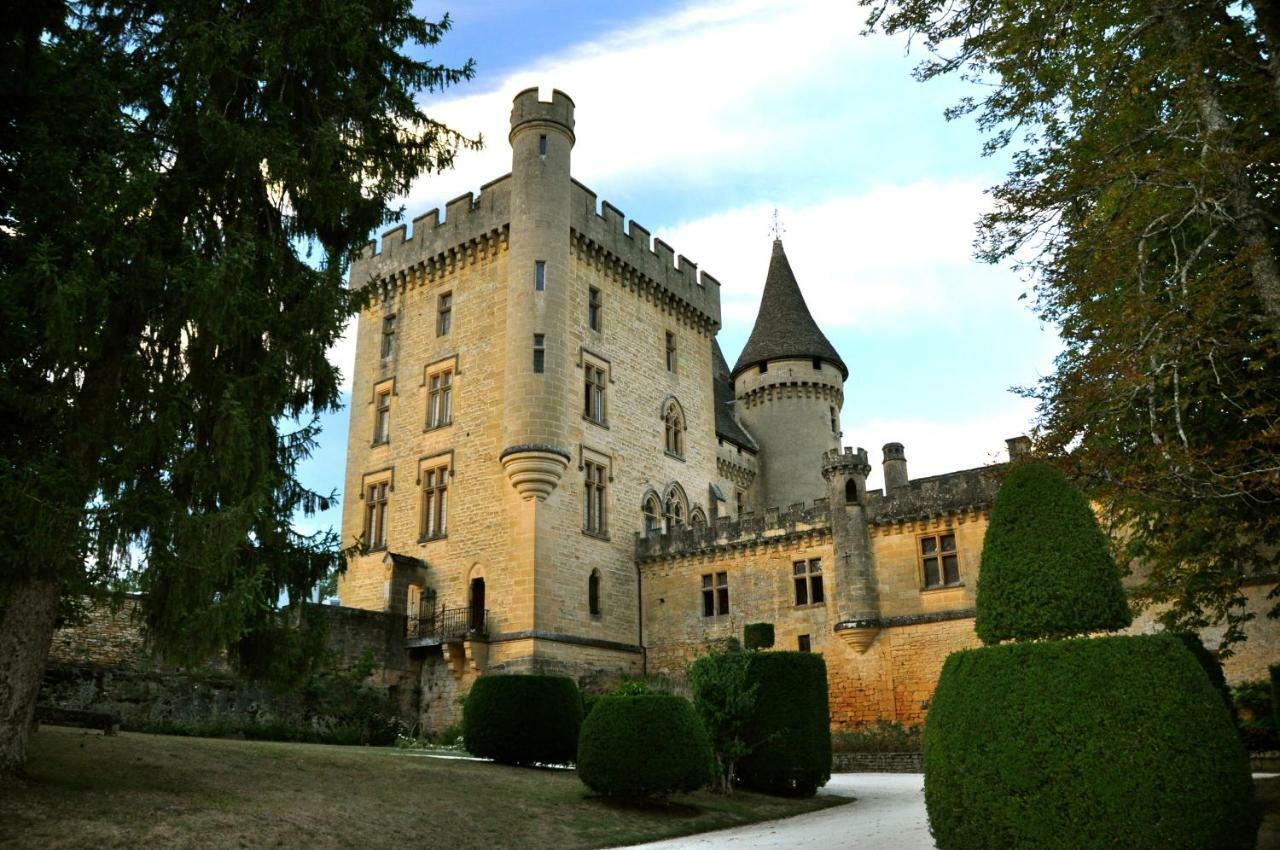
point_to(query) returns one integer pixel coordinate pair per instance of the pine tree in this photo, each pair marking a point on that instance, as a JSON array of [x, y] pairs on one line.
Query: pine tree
[[183, 186]]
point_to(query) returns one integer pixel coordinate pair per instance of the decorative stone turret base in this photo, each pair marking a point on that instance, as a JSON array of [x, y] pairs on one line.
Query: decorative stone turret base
[[534, 470], [859, 634]]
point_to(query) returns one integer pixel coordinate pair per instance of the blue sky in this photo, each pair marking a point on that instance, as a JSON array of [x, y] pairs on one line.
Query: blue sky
[[698, 119]]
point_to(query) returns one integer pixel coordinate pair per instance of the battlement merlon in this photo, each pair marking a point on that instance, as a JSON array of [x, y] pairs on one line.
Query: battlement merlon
[[601, 227], [772, 526], [467, 218], [848, 460], [526, 108]]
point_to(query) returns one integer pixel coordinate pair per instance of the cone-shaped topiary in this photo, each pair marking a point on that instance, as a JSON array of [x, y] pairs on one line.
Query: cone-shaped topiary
[[1046, 571]]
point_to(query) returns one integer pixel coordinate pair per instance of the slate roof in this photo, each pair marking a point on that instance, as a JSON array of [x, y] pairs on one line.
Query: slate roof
[[784, 327], [722, 383]]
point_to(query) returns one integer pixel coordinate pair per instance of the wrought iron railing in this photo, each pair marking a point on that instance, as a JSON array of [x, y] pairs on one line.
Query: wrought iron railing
[[449, 624]]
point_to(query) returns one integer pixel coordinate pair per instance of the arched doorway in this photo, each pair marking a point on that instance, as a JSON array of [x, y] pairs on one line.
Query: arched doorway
[[476, 623]]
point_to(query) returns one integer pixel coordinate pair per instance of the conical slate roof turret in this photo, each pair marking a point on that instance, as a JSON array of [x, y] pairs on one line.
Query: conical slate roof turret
[[784, 327]]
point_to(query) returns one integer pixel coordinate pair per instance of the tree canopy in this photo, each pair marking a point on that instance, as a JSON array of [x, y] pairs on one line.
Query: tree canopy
[[181, 187], [1143, 203]]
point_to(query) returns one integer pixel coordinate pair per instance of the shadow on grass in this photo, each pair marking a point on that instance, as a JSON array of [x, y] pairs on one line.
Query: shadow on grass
[[647, 806]]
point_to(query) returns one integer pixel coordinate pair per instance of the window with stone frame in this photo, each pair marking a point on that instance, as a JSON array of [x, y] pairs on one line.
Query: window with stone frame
[[539, 353], [803, 643], [440, 398], [674, 512], [376, 502], [593, 593], [674, 429], [715, 594], [939, 560], [807, 577], [594, 516], [593, 402], [382, 415], [434, 522], [444, 314], [697, 518], [671, 351], [595, 309], [388, 335], [652, 516]]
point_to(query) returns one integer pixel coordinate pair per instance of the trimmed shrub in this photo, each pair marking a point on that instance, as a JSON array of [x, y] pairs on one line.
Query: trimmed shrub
[[1211, 666], [1046, 570], [1254, 716], [724, 701], [522, 719], [643, 746], [757, 635], [883, 736], [1102, 742], [789, 729]]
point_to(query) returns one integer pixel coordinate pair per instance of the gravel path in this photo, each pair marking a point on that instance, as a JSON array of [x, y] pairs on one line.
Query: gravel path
[[887, 815]]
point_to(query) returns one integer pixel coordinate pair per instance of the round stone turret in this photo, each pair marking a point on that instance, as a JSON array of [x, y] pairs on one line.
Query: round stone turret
[[789, 386], [895, 467], [539, 363]]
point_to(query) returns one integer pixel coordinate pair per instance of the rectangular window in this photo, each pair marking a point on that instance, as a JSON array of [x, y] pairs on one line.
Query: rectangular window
[[593, 309], [939, 561], [382, 417], [435, 503], [671, 351], [593, 401], [802, 643], [715, 594], [440, 399], [444, 314], [388, 336], [740, 500], [375, 515], [593, 511], [764, 367], [540, 275], [807, 576], [539, 353], [542, 146]]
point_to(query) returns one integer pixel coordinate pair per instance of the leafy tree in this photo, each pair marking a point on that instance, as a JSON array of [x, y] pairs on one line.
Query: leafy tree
[[181, 186], [1046, 571], [1142, 199], [725, 702]]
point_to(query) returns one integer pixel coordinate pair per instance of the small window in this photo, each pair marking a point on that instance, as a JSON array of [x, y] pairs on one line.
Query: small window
[[382, 417], [444, 316], [593, 309], [542, 146], [435, 503], [540, 275], [697, 518], [673, 427], [440, 399], [817, 364], [740, 499], [671, 351], [674, 512], [715, 594], [539, 353], [802, 644], [764, 367], [375, 515], [939, 561], [593, 390], [850, 491], [593, 593], [652, 516], [388, 336], [807, 577], [593, 505], [835, 421]]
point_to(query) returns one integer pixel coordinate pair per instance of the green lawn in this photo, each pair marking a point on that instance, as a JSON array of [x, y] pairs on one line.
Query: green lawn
[[87, 790]]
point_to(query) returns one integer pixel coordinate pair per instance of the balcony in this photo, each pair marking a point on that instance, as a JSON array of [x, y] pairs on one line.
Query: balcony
[[439, 626]]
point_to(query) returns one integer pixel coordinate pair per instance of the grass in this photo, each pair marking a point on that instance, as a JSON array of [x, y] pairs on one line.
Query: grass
[[87, 790]]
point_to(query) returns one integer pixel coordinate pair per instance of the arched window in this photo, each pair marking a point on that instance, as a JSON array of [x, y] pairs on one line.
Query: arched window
[[593, 593], [673, 423], [850, 491], [652, 515], [697, 518], [676, 508]]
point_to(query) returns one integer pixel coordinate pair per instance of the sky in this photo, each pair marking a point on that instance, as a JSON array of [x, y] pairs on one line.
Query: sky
[[698, 120]]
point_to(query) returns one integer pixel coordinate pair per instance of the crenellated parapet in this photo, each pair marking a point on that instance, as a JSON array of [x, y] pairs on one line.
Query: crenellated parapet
[[626, 251], [774, 525], [472, 227], [848, 461], [964, 492]]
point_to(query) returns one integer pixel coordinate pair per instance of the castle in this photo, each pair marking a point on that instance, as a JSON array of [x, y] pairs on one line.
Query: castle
[[551, 466]]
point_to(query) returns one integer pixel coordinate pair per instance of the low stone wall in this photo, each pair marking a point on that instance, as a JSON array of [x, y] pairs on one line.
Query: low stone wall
[[877, 763]]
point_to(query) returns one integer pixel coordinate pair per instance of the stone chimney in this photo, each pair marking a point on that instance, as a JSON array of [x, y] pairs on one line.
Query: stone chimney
[[1019, 447], [895, 468]]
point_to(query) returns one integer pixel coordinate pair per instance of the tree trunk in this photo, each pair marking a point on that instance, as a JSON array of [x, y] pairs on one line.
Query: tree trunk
[[26, 629], [1267, 15]]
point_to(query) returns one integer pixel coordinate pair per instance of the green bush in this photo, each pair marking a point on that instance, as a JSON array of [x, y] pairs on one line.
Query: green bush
[[643, 746], [1211, 666], [789, 730], [1254, 715], [522, 719], [1046, 570], [1089, 743], [883, 736], [757, 635], [724, 701]]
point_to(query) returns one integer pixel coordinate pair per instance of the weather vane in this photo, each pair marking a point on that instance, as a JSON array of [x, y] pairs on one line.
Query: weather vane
[[776, 228]]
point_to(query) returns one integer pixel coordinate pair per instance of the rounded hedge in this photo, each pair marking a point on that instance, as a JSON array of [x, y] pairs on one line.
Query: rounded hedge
[[1046, 570], [790, 727], [757, 635], [1088, 743], [522, 719], [643, 746]]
